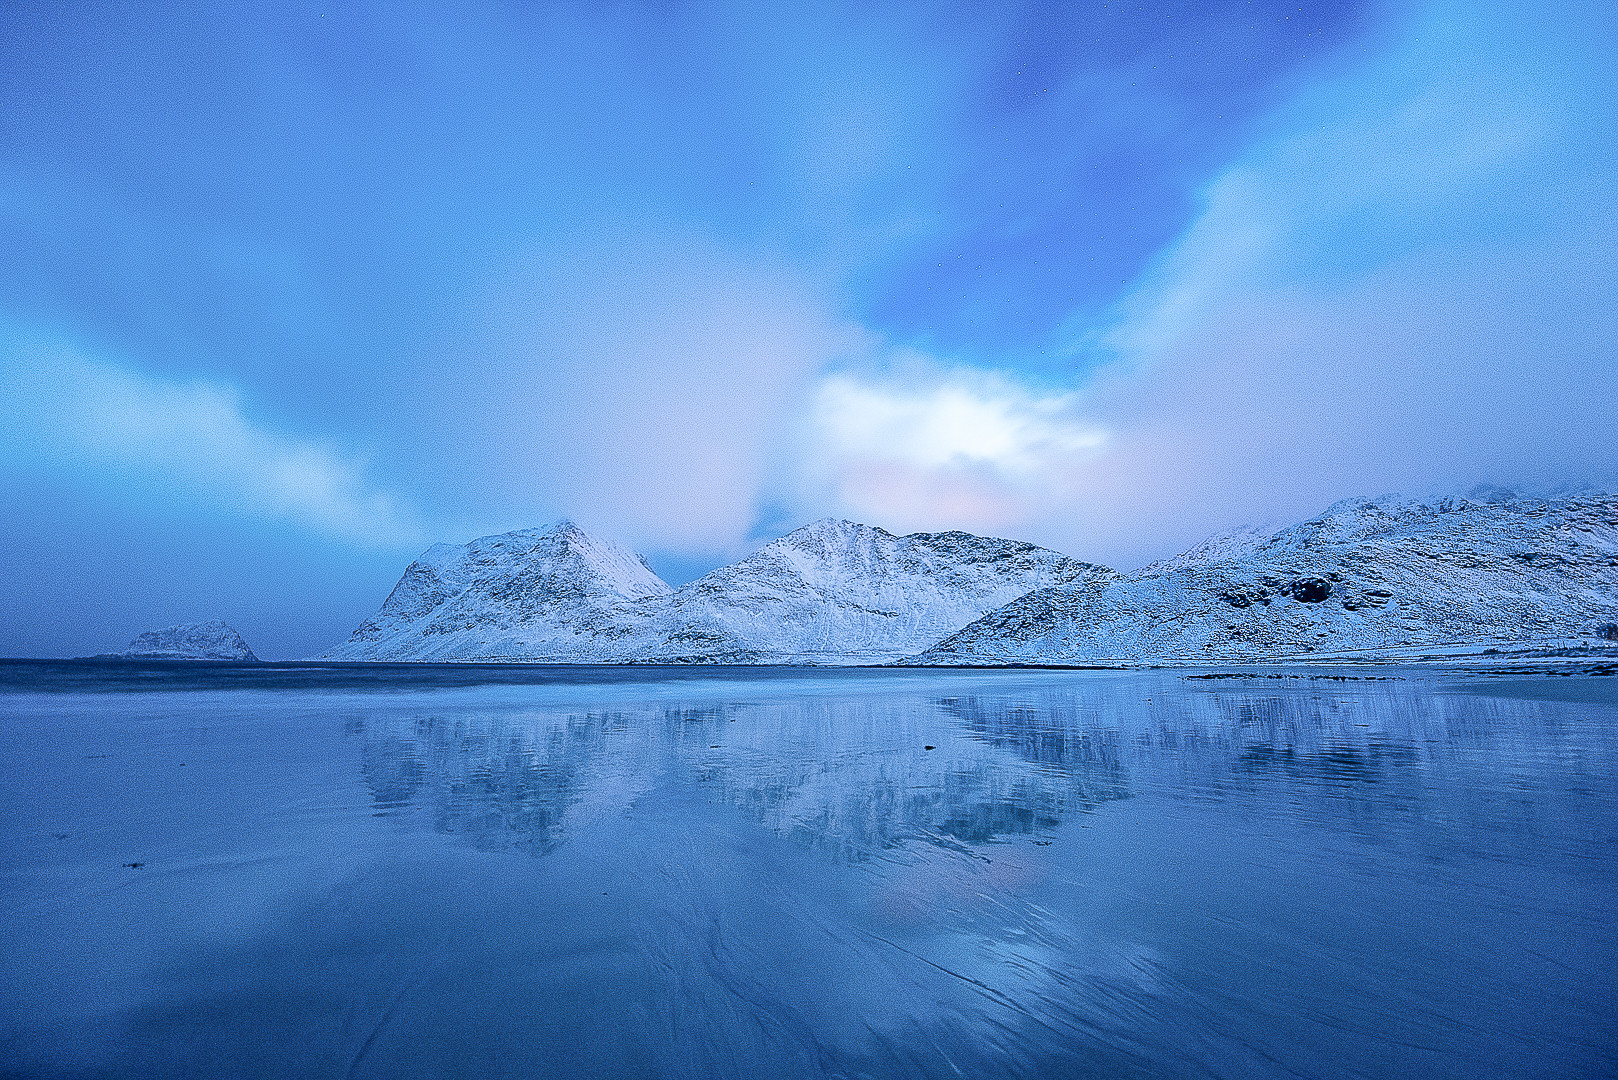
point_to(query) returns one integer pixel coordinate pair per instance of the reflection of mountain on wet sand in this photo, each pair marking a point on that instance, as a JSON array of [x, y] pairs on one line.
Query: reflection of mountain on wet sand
[[863, 874], [857, 777], [497, 781]]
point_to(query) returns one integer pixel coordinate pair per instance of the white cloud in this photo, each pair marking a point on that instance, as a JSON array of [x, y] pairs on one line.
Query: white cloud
[[928, 448], [61, 408], [991, 422]]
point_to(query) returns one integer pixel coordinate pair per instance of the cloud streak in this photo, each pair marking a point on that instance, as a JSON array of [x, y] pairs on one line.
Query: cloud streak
[[1406, 287], [191, 439]]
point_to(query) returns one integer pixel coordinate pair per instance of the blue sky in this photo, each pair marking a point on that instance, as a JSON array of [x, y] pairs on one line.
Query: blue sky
[[290, 291]]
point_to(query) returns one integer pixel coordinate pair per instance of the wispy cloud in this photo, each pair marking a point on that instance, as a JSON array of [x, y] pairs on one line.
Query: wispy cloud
[[189, 439], [1406, 285], [640, 383]]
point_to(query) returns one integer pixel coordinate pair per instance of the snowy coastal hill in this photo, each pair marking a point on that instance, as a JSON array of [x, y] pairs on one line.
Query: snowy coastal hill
[[831, 592], [1363, 578], [839, 592], [549, 594], [211, 640]]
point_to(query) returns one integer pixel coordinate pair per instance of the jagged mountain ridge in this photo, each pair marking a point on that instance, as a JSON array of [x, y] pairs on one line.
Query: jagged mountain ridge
[[211, 640], [1367, 575], [830, 592]]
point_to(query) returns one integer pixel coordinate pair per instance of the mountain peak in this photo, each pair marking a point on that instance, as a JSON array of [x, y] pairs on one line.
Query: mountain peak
[[832, 527], [529, 594]]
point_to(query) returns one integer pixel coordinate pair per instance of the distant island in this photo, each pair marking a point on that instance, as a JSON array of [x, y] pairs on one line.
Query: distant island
[[211, 640], [1368, 579]]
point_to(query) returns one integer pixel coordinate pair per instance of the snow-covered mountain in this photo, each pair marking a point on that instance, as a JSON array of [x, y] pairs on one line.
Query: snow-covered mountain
[[838, 592], [550, 594], [1366, 576], [211, 640], [831, 592], [1220, 547]]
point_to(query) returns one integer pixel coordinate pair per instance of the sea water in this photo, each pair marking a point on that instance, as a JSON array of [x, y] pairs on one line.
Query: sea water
[[420, 871]]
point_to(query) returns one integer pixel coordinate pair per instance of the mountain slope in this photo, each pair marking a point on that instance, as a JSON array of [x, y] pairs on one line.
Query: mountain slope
[[1365, 576], [550, 594], [839, 592]]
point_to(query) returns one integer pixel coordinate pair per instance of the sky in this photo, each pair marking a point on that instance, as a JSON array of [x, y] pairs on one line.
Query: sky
[[290, 291]]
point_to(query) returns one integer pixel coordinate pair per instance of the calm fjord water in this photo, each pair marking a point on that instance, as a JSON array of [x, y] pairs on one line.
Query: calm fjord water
[[386, 872]]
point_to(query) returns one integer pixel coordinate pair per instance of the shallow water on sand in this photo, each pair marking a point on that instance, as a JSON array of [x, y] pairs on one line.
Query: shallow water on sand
[[424, 871]]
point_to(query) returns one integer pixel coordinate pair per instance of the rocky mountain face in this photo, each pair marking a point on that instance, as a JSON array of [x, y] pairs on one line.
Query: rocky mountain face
[[550, 594], [1364, 577], [831, 592], [211, 640]]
